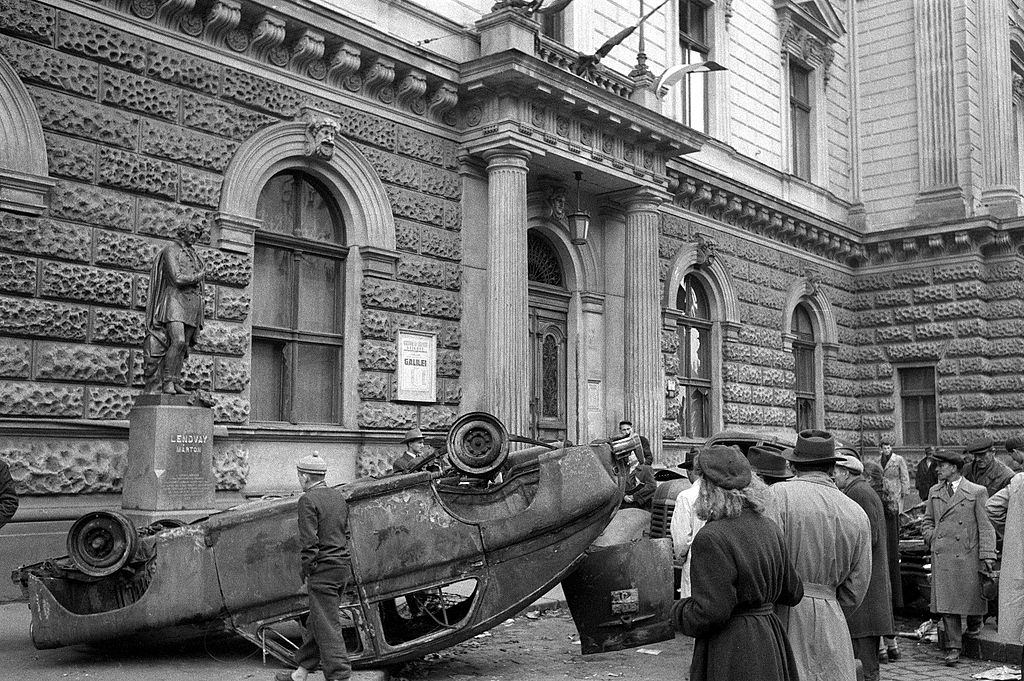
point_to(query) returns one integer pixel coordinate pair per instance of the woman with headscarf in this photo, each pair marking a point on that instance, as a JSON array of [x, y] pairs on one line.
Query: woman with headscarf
[[741, 569], [889, 652]]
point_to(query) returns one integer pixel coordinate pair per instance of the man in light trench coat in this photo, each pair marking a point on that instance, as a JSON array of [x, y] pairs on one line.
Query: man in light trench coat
[[963, 542], [1006, 510], [829, 541]]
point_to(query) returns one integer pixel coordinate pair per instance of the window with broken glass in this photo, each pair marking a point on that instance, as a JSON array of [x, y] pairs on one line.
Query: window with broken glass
[[298, 289], [694, 369], [804, 367]]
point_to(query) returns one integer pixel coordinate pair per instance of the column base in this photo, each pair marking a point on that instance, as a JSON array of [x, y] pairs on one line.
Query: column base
[[1002, 203], [940, 205]]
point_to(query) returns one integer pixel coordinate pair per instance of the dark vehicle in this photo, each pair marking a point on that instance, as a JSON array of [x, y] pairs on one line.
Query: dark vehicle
[[437, 557]]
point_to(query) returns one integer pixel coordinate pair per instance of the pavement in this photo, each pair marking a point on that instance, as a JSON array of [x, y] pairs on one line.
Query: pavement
[[236, 659]]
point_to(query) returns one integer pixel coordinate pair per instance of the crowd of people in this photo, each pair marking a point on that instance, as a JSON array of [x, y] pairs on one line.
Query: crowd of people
[[793, 556]]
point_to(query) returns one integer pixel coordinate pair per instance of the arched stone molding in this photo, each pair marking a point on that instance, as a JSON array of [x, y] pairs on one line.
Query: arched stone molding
[[583, 274], [806, 290], [724, 305], [369, 222], [24, 176]]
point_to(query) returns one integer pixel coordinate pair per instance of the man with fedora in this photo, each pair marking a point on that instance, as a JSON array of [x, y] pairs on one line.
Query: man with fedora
[[829, 540], [769, 465], [957, 529], [985, 469], [685, 524], [326, 568], [413, 454], [873, 619]]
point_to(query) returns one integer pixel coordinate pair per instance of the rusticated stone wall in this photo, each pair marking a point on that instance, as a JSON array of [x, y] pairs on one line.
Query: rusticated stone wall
[[967, 320], [138, 137], [758, 383]]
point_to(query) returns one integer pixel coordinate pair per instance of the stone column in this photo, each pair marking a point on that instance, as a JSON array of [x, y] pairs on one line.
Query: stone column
[[508, 355], [999, 191], [644, 397], [940, 194]]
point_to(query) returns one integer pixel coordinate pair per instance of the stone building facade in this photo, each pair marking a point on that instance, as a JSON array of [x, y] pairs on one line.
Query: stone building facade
[[826, 234]]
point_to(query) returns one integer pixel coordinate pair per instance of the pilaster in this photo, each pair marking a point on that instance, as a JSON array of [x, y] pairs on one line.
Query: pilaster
[[999, 192], [507, 288], [644, 401]]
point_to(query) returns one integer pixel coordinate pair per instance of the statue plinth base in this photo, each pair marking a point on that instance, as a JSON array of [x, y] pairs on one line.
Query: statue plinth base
[[170, 460]]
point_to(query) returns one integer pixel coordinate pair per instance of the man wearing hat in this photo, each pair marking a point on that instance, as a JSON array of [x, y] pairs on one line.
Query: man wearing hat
[[957, 529], [326, 568], [873, 619], [413, 454], [1015, 449], [985, 470], [828, 536], [685, 524], [925, 475], [769, 465]]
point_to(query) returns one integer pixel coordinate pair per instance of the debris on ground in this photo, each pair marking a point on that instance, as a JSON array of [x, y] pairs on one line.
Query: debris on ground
[[1003, 673], [648, 651]]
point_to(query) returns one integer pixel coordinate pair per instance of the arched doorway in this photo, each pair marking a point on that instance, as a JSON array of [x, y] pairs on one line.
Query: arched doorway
[[549, 309]]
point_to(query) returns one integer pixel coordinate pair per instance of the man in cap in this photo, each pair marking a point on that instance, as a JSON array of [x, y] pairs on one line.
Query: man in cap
[[685, 524], [957, 529], [626, 429], [326, 567], [894, 470], [1015, 449], [413, 454], [829, 540], [873, 619], [769, 465], [985, 470], [925, 476]]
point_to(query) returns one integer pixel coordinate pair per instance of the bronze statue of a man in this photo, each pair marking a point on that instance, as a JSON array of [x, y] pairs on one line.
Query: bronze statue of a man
[[174, 312]]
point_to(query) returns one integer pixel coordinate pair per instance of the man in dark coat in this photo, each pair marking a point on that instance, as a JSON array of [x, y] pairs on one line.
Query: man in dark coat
[[413, 454], [741, 568], [327, 570], [961, 537], [640, 485], [626, 429], [925, 476], [8, 497], [985, 469], [873, 619]]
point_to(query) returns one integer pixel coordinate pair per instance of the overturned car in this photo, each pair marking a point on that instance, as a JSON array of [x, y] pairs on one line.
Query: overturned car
[[437, 557]]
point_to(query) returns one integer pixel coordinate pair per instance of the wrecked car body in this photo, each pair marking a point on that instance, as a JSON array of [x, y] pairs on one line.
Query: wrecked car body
[[437, 557]]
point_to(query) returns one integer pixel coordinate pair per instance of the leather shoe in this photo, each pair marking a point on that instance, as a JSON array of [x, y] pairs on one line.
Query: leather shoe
[[893, 654], [952, 657]]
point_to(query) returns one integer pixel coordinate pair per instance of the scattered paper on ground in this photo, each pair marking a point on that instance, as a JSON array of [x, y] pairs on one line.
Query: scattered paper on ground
[[998, 674], [648, 651]]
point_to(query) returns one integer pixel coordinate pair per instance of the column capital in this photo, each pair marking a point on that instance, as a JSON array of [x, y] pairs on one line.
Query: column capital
[[642, 199], [506, 157]]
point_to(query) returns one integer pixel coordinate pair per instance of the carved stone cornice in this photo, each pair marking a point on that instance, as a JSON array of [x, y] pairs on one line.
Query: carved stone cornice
[[772, 221], [982, 239], [278, 38]]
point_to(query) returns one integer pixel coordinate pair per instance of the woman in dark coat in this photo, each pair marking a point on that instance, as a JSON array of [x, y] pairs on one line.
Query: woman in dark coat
[[873, 472], [740, 570]]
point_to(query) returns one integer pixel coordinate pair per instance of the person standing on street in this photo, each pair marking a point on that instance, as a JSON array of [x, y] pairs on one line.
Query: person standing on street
[[8, 496], [829, 541], [889, 650], [985, 470], [894, 468], [742, 569], [626, 429], [925, 476], [873, 619], [685, 523], [326, 567], [957, 529], [1006, 511]]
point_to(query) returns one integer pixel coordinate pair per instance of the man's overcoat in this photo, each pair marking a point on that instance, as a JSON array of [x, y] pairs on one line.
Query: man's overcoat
[[1006, 509], [960, 535], [874, 616], [829, 541]]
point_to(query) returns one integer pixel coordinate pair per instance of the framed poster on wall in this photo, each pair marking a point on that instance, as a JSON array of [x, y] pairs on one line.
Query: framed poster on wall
[[417, 366]]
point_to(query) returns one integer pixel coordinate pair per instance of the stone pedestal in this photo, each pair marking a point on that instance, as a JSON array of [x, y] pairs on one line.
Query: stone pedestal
[[170, 461]]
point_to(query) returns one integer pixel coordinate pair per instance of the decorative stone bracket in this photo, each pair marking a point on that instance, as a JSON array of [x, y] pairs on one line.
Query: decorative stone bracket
[[378, 262], [22, 193]]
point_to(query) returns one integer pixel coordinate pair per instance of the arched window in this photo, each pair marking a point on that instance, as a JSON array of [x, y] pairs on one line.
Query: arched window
[[298, 290], [804, 367], [694, 371]]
